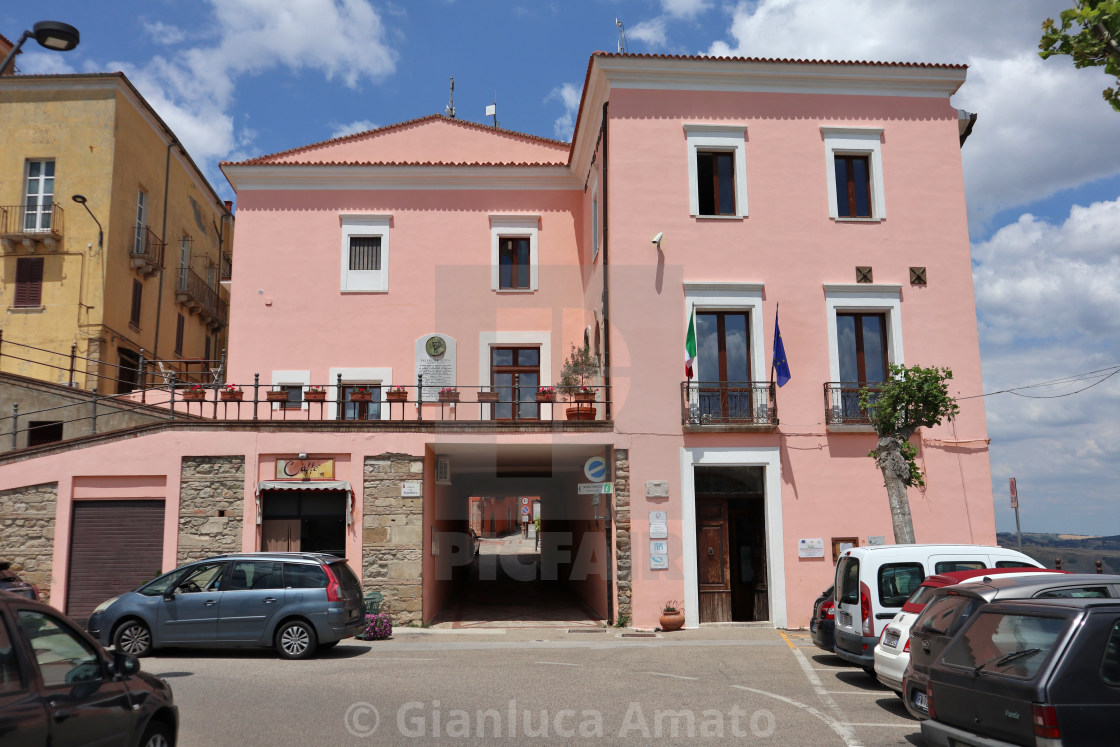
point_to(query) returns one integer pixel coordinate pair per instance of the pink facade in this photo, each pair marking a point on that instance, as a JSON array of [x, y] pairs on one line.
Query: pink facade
[[353, 254]]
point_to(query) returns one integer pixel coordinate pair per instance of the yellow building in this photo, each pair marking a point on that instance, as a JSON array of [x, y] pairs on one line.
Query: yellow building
[[146, 287]]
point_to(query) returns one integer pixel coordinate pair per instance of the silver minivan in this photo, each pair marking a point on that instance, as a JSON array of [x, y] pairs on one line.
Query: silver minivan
[[296, 602]]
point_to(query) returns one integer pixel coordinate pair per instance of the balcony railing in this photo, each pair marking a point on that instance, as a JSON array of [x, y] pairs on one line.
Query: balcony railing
[[196, 294], [841, 402], [728, 403], [146, 251], [225, 267], [26, 225]]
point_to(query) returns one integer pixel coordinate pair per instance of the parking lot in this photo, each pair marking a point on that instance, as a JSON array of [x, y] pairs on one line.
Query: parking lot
[[753, 685]]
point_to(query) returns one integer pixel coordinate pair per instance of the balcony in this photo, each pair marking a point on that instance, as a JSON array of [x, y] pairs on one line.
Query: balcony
[[225, 268], [841, 405], [146, 251], [714, 406], [196, 295], [30, 226]]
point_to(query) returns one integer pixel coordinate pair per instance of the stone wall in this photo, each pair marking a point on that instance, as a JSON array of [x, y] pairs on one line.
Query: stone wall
[[211, 504], [622, 532], [393, 534], [27, 532]]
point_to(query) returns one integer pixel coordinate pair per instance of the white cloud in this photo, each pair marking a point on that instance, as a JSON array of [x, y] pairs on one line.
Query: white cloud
[[1042, 125], [685, 8], [360, 125], [567, 94], [31, 62], [163, 33], [651, 32]]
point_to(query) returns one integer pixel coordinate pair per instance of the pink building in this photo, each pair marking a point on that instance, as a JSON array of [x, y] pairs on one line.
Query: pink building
[[440, 254]]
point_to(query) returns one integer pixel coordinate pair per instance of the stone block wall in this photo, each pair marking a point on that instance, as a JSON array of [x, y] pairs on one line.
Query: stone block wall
[[211, 506], [27, 532], [393, 534], [622, 532]]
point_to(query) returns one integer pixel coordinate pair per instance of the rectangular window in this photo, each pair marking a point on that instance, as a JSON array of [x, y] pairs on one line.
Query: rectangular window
[[39, 196], [141, 221], [137, 301], [993, 636], [723, 367], [897, 582], [715, 182], [359, 409], [862, 344], [207, 349], [44, 432], [515, 374], [29, 282], [295, 396], [853, 186], [513, 263], [128, 370], [847, 576], [365, 253], [179, 326]]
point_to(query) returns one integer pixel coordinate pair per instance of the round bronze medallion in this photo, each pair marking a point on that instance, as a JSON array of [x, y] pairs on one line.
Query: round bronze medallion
[[436, 346]]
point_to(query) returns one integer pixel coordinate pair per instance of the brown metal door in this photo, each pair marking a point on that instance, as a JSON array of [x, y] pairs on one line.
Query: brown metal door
[[115, 546], [713, 566]]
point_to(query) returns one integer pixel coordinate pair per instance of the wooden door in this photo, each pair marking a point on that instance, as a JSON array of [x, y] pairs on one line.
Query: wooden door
[[713, 562], [280, 535]]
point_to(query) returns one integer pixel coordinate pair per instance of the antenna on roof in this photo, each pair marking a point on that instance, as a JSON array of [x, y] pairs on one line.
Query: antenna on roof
[[450, 109], [621, 37], [492, 110]]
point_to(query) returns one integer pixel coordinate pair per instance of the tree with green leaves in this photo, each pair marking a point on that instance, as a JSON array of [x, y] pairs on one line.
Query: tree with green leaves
[[911, 398], [1090, 34]]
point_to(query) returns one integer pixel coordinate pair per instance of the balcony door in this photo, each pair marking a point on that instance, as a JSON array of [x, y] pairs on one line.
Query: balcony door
[[515, 374], [723, 365], [861, 343], [39, 197]]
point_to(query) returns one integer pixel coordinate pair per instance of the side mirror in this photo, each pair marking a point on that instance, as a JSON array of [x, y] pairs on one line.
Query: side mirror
[[124, 664], [168, 595]]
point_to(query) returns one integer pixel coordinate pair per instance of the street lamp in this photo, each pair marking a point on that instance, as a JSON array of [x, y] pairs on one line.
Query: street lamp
[[81, 200], [56, 35]]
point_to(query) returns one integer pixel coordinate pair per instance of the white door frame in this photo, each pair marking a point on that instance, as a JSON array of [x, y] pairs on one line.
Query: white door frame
[[768, 458]]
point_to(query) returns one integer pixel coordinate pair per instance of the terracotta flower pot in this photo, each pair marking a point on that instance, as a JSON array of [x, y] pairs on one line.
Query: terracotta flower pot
[[584, 396], [487, 396], [546, 398], [275, 396], [396, 396], [315, 396], [449, 397], [361, 396], [194, 395], [671, 621], [580, 413], [231, 396]]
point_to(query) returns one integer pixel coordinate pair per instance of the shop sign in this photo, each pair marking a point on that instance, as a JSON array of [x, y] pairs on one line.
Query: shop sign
[[305, 469]]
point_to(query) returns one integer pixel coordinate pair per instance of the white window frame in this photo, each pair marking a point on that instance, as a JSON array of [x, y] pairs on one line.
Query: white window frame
[[855, 141], [514, 226], [379, 377], [734, 297], [713, 137], [40, 194], [361, 225], [290, 378], [882, 298], [488, 340], [138, 245]]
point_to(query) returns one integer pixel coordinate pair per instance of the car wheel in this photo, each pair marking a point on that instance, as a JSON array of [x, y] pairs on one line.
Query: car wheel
[[156, 735], [295, 639], [133, 637]]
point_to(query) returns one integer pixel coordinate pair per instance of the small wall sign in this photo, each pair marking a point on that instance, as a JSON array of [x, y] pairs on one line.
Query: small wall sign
[[810, 548], [410, 489], [305, 469], [657, 488]]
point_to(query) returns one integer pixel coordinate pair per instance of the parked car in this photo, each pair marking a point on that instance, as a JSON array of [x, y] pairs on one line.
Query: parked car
[[823, 621], [59, 687], [872, 584], [892, 653], [952, 607], [11, 582], [296, 602], [1031, 672]]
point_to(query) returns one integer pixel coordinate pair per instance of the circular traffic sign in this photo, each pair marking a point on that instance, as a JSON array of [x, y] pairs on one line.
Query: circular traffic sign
[[595, 468]]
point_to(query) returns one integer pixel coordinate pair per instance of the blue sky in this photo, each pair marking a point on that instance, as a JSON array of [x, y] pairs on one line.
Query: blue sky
[[239, 78]]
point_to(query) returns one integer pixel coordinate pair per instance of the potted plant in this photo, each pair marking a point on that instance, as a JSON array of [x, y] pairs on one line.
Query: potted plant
[[396, 394], [195, 392], [546, 394], [231, 393], [276, 395], [487, 395], [315, 393], [361, 394], [449, 394], [579, 369], [672, 616]]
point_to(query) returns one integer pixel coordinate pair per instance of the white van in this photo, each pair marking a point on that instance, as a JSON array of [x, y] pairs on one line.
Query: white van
[[872, 584]]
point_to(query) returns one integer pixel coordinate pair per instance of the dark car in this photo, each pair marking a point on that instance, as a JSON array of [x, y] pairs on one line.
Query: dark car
[[1029, 672], [11, 582], [59, 687], [951, 607], [823, 622], [297, 602]]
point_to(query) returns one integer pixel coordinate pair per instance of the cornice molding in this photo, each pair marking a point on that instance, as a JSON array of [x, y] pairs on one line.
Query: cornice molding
[[279, 177]]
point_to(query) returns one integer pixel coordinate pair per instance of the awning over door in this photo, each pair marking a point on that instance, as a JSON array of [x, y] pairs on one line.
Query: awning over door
[[331, 485]]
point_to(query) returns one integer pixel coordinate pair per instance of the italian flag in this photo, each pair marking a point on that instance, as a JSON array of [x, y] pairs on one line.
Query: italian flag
[[690, 346]]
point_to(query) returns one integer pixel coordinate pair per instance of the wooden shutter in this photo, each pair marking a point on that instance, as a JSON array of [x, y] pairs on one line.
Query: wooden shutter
[[29, 281], [137, 299]]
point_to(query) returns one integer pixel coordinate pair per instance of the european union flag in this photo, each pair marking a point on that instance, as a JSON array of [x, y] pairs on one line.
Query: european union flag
[[781, 365]]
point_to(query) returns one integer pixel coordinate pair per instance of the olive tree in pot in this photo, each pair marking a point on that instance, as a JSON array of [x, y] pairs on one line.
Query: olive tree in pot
[[579, 370]]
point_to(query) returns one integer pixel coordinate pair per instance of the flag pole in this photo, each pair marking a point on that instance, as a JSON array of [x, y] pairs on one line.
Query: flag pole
[[772, 361]]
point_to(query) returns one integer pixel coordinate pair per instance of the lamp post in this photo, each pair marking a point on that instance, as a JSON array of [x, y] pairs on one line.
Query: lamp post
[[61, 37], [81, 200]]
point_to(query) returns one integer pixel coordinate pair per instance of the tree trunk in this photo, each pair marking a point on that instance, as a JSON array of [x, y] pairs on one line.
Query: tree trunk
[[896, 470]]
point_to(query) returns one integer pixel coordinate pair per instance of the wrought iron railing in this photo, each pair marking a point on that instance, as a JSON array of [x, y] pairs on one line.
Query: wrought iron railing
[[32, 220], [146, 251], [191, 289], [841, 402], [743, 403], [225, 267]]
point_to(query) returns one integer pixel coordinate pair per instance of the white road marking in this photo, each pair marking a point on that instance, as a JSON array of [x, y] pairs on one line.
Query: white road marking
[[841, 729], [889, 726], [674, 676], [401, 658], [557, 663], [855, 692], [836, 724]]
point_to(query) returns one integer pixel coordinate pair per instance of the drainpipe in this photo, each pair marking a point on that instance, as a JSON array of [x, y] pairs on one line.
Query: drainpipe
[[606, 274], [163, 238]]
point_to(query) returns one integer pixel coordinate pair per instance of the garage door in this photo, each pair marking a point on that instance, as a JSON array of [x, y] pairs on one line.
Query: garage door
[[114, 547]]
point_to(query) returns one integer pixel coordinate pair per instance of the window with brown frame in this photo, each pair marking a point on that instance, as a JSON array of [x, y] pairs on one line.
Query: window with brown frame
[[715, 182], [723, 365], [515, 374], [137, 301], [513, 263], [179, 325], [853, 186], [29, 282]]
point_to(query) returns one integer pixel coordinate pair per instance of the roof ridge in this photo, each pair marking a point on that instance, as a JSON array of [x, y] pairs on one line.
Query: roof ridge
[[437, 164], [779, 60]]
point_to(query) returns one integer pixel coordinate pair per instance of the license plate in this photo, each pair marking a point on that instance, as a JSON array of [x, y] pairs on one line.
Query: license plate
[[920, 701], [891, 639], [845, 618]]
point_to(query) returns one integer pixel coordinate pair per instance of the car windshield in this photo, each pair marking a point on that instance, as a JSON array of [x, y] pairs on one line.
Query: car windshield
[[161, 584]]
